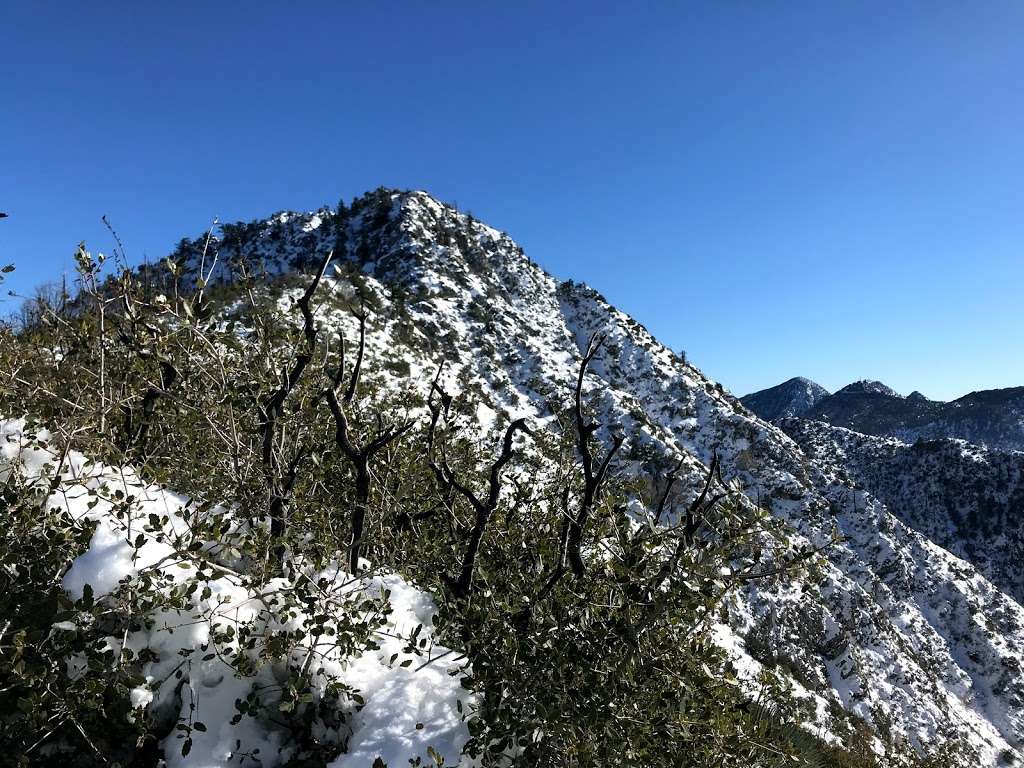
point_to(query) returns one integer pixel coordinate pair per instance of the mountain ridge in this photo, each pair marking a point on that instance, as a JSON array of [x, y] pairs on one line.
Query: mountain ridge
[[884, 636], [992, 418]]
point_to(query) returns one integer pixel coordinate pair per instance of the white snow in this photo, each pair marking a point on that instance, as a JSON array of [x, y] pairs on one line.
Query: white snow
[[412, 701]]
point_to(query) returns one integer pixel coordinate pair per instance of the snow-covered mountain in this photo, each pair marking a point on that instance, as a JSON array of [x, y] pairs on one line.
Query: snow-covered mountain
[[895, 629], [868, 387], [992, 418], [790, 398], [914, 454]]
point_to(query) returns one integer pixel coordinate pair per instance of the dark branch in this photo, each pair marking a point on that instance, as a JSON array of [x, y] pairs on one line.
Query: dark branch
[[272, 408], [571, 535], [354, 381], [671, 478], [484, 509], [592, 481], [358, 455]]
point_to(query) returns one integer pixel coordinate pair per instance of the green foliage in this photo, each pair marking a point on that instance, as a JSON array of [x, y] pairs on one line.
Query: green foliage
[[55, 711], [613, 667]]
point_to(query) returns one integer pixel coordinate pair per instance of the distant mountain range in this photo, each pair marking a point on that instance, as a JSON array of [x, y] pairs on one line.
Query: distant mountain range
[[990, 418], [953, 471]]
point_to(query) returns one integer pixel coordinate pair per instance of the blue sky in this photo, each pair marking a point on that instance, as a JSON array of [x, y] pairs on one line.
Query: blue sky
[[834, 190]]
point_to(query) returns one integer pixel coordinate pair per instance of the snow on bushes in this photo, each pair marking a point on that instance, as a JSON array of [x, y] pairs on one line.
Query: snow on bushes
[[232, 671]]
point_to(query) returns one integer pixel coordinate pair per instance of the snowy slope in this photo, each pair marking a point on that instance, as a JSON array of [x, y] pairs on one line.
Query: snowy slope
[[412, 703], [897, 630], [967, 499]]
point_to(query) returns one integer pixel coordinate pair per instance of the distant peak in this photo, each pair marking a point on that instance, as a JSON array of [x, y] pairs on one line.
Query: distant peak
[[793, 397], [918, 397], [868, 386], [803, 381]]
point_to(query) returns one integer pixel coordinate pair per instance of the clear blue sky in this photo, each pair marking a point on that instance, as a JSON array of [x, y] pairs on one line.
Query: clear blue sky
[[834, 190]]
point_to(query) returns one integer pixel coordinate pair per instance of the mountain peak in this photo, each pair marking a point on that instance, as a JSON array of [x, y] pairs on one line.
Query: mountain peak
[[449, 287], [394, 234], [790, 398], [868, 386], [802, 381]]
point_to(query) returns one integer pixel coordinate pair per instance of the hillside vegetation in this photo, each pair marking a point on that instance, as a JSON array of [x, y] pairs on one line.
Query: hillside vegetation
[[237, 531]]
